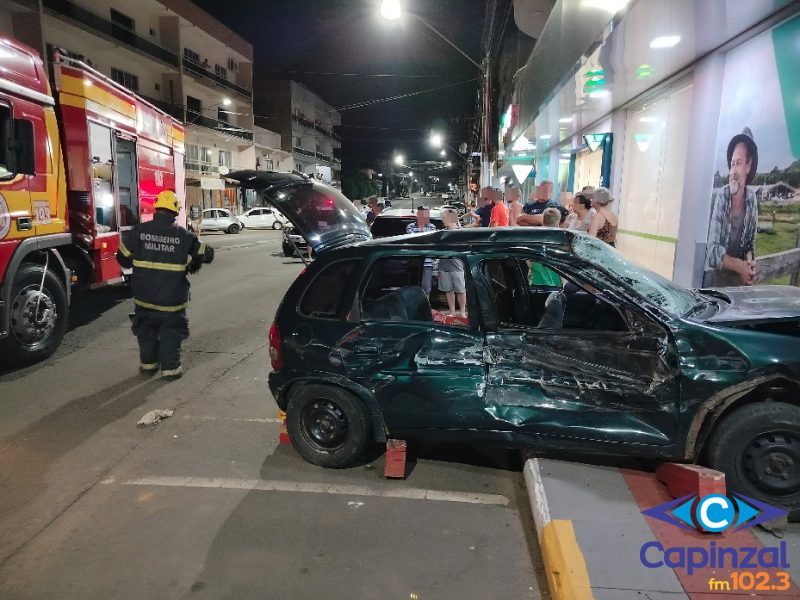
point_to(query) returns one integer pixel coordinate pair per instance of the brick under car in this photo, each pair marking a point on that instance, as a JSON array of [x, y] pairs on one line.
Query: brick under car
[[617, 360]]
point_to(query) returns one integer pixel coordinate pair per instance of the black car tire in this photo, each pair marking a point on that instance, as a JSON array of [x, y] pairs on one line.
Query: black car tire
[[757, 446], [24, 352], [277, 225], [287, 250], [234, 228], [328, 426]]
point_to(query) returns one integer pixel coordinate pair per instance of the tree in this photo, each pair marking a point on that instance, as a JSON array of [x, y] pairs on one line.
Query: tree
[[357, 185]]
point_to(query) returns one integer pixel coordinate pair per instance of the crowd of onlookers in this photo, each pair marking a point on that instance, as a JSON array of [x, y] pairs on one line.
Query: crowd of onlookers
[[588, 210]]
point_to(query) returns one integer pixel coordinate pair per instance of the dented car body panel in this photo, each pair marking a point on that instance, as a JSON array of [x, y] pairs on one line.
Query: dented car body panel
[[636, 366]]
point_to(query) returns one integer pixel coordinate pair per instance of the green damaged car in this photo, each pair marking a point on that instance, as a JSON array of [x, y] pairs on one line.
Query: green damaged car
[[612, 360]]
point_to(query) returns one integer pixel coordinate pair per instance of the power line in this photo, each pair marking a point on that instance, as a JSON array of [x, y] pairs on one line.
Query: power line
[[332, 74], [400, 96]]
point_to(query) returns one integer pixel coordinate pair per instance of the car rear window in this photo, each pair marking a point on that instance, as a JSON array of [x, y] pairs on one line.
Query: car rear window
[[327, 294], [391, 226]]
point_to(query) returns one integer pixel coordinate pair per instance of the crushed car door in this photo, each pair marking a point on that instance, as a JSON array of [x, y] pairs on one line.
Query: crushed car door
[[588, 369], [424, 374]]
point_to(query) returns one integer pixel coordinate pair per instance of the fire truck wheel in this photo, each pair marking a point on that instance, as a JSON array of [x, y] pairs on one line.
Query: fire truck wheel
[[38, 319]]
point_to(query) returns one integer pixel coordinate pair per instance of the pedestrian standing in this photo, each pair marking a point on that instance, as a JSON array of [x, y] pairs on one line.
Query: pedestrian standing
[[604, 222], [423, 225], [161, 254], [514, 205], [483, 214], [451, 272], [499, 214]]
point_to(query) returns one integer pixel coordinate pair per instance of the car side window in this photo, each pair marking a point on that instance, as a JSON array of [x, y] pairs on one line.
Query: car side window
[[327, 294], [531, 293], [414, 288], [5, 137]]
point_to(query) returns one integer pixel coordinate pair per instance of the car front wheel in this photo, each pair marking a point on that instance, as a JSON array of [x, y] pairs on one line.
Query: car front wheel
[[277, 225], [757, 446], [234, 228], [328, 426]]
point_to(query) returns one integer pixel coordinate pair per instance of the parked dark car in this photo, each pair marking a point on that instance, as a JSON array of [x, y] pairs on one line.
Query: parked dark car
[[618, 361]]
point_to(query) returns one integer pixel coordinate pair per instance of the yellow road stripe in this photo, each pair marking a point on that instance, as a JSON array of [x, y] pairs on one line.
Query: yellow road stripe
[[124, 250], [565, 566], [159, 307], [159, 266]]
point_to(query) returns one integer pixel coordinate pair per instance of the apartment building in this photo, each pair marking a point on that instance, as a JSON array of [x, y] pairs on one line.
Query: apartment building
[[173, 54], [305, 124]]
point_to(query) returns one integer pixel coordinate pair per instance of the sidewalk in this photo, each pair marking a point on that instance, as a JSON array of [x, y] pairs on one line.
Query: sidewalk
[[592, 534]]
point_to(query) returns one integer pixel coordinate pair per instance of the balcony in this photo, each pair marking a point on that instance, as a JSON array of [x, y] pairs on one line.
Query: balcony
[[193, 118], [91, 21], [200, 71], [303, 121], [324, 157], [329, 132], [304, 152]]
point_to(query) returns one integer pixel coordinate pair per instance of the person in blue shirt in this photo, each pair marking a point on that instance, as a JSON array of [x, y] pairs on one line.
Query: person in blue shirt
[[484, 213]]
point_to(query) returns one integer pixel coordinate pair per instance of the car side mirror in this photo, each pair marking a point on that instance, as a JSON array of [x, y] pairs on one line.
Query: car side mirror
[[21, 148]]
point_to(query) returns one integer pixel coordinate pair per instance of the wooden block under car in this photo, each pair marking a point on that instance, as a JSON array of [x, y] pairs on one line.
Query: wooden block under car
[[283, 437], [682, 480], [395, 459]]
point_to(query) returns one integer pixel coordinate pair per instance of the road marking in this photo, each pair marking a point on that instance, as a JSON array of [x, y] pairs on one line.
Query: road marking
[[272, 485], [209, 418]]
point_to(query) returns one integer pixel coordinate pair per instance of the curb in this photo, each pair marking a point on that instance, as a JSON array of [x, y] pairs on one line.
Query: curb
[[565, 566]]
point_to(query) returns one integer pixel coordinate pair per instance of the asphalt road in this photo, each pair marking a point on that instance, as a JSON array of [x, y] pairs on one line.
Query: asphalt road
[[207, 504]]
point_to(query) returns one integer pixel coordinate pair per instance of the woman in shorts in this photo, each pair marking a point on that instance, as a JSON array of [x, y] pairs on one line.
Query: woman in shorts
[[451, 272]]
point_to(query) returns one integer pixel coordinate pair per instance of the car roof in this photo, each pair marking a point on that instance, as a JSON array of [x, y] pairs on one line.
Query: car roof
[[267, 179], [477, 235]]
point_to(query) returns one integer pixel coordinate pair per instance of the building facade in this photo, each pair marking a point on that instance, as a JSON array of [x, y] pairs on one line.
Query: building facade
[[171, 53], [654, 103], [306, 126]]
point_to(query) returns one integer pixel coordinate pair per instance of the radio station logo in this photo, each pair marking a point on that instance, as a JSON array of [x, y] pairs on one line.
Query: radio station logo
[[714, 513]]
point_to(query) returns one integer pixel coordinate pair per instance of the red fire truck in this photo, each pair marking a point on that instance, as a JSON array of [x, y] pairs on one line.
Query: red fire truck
[[77, 167]]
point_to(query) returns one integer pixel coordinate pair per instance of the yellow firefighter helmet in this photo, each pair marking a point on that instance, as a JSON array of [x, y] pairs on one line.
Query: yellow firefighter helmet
[[168, 201]]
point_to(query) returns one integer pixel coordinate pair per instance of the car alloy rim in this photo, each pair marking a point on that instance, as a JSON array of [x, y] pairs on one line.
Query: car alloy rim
[[325, 424], [33, 315], [771, 461]]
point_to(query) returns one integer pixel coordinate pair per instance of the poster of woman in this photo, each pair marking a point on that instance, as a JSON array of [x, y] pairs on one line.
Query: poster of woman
[[756, 207]]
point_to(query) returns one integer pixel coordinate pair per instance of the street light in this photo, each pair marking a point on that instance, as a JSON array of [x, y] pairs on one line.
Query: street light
[[391, 10], [443, 153], [399, 160], [436, 140]]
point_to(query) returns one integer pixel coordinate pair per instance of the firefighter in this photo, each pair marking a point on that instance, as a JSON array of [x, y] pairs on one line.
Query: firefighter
[[161, 254]]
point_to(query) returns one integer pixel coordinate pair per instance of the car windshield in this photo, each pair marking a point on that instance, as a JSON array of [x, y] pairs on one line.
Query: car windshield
[[673, 299]]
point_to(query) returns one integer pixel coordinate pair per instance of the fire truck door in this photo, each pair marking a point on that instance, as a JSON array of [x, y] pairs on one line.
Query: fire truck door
[[127, 182]]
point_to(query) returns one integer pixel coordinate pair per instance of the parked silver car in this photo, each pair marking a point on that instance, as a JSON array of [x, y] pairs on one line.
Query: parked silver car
[[220, 219]]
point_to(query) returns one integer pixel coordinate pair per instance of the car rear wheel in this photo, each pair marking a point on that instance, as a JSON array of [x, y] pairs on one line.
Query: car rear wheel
[[234, 228], [758, 448], [277, 225], [328, 426]]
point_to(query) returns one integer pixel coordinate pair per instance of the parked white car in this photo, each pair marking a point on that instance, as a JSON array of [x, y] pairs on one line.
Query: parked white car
[[220, 219], [263, 217]]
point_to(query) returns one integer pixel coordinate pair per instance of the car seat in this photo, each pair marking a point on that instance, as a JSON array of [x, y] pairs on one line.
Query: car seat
[[408, 303], [554, 306]]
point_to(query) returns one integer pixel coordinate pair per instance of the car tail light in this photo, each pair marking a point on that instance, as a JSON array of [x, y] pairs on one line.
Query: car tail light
[[275, 350]]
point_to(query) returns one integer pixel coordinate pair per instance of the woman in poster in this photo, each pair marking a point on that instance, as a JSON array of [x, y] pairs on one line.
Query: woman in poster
[[730, 255]]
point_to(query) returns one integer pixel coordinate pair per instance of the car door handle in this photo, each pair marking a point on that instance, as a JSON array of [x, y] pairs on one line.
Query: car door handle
[[366, 350]]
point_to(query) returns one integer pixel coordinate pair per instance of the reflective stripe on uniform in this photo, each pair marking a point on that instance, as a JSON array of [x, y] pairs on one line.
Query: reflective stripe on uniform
[[124, 250], [202, 249], [159, 307], [159, 266]]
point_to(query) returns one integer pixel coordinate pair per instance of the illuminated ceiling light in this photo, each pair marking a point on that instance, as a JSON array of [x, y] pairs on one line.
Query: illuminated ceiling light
[[648, 120], [665, 41], [226, 101], [546, 136], [599, 94], [565, 120], [610, 6], [391, 9], [644, 71], [521, 172]]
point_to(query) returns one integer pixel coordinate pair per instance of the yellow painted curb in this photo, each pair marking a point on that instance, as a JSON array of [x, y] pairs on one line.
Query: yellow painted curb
[[564, 564]]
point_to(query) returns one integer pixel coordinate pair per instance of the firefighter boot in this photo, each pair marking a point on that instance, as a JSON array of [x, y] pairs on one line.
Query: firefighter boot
[[172, 374]]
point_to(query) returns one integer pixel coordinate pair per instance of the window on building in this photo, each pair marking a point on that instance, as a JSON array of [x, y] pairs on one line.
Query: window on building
[[119, 18], [233, 65], [297, 142], [192, 157], [221, 71], [225, 158], [222, 115], [129, 80], [194, 109], [269, 164], [191, 55]]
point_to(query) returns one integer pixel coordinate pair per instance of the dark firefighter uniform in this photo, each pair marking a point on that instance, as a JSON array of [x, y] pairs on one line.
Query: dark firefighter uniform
[[161, 254]]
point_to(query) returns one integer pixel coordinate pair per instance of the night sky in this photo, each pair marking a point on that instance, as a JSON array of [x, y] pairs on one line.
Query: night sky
[[346, 54]]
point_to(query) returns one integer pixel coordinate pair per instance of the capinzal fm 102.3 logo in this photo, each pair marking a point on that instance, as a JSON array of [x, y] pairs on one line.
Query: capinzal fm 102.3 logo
[[714, 513]]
